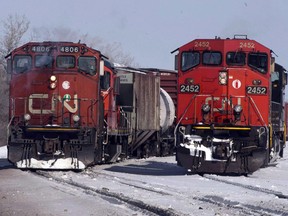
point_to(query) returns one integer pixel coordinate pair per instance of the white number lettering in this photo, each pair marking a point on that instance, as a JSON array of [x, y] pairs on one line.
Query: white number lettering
[[248, 45], [203, 44], [40, 49], [69, 49]]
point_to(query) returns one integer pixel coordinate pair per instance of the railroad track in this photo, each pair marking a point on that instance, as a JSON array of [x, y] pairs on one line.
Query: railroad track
[[249, 187], [214, 200], [267, 210], [123, 185], [242, 208], [141, 206]]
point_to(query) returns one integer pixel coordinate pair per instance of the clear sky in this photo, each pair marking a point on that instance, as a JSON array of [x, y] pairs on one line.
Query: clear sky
[[150, 29]]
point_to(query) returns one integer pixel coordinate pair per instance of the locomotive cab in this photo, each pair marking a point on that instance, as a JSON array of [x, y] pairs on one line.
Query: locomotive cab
[[53, 121], [229, 99]]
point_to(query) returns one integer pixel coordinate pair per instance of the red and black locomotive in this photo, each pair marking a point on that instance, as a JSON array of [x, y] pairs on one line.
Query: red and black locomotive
[[230, 116], [70, 108]]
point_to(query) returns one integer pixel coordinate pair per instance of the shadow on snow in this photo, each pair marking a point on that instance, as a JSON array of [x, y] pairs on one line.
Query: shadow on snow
[[150, 168], [5, 164]]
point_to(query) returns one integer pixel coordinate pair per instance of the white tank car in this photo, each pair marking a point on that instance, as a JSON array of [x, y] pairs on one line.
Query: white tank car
[[167, 110]]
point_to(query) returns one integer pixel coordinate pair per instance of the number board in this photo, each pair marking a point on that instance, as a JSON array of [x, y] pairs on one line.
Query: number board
[[259, 90], [189, 88], [41, 49], [69, 49], [202, 44], [249, 45]]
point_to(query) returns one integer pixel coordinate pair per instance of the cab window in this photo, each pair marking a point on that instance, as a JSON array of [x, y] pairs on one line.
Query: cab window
[[22, 63], [43, 61], [189, 60], [236, 58], [105, 81], [65, 62], [87, 64], [258, 61], [212, 58]]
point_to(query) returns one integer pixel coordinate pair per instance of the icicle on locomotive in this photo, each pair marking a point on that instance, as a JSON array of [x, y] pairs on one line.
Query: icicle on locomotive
[[67, 111], [230, 116]]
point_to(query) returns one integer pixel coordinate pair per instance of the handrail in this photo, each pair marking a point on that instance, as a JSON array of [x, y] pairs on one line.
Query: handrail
[[8, 126], [184, 113], [257, 111], [251, 104]]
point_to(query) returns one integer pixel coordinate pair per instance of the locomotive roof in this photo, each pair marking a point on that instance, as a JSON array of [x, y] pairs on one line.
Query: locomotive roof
[[52, 43], [226, 40]]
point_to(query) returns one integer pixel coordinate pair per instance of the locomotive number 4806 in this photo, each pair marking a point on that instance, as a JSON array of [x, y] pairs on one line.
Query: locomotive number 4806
[[256, 90], [190, 88]]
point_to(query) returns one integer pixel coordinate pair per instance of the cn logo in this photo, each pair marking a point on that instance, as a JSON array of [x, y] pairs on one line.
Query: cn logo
[[236, 84], [65, 101]]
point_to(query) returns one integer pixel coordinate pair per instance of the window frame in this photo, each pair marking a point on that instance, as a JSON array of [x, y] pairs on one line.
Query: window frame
[[85, 67], [211, 52], [105, 81], [235, 53], [62, 56], [50, 65], [19, 70], [192, 65], [255, 67]]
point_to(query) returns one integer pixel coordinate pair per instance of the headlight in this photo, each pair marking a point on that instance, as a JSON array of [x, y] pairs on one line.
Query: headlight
[[223, 78], [53, 81], [76, 118], [53, 85], [238, 109], [206, 108], [53, 78], [27, 117]]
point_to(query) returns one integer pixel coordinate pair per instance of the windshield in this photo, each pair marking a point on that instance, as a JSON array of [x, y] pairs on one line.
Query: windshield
[[212, 58], [189, 60], [43, 61], [87, 64], [258, 61], [22, 63], [65, 62], [236, 58]]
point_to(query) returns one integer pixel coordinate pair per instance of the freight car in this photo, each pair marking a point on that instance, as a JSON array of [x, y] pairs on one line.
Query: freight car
[[230, 115], [70, 108]]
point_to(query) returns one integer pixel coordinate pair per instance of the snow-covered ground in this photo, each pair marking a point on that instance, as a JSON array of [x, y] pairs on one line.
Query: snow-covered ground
[[160, 183]]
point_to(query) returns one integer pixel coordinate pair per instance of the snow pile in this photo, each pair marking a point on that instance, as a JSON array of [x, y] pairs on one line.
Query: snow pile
[[3, 152]]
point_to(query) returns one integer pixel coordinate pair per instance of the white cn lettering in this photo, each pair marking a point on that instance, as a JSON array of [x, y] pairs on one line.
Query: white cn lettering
[[40, 111], [67, 106], [49, 111]]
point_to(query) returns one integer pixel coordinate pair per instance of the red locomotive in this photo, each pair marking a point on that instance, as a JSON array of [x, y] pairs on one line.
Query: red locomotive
[[230, 115], [70, 108]]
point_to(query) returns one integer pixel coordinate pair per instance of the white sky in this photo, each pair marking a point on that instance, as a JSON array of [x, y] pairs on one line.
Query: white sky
[[150, 29]]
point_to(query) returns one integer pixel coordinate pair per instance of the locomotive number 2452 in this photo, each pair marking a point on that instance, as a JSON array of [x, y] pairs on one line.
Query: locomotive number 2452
[[256, 90], [190, 88]]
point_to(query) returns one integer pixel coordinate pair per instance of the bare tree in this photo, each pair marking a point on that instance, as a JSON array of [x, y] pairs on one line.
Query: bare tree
[[13, 29], [112, 50]]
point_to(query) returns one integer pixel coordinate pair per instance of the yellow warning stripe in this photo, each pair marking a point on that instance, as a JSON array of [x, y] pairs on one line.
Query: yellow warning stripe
[[52, 129], [221, 128]]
